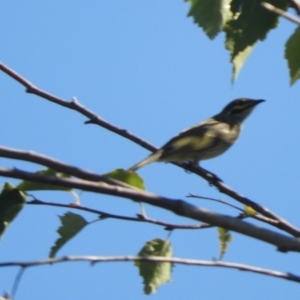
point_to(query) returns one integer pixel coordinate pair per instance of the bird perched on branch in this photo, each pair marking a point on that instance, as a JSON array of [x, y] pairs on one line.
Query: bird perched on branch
[[207, 139]]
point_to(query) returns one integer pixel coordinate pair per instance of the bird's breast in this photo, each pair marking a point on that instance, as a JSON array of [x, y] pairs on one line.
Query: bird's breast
[[227, 133]]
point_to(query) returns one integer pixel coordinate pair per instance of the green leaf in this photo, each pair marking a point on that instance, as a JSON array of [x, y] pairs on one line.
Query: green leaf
[[71, 224], [210, 15], [155, 274], [11, 202], [239, 60], [225, 238], [249, 210], [250, 23], [27, 185], [292, 55], [128, 177]]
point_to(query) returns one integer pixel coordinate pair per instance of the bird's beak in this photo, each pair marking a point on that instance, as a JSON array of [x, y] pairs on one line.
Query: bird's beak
[[259, 101]]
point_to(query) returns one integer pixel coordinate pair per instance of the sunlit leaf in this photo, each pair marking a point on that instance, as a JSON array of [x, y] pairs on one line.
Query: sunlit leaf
[[250, 24], [225, 238], [239, 60], [27, 185], [155, 274], [71, 224], [249, 210], [128, 177]]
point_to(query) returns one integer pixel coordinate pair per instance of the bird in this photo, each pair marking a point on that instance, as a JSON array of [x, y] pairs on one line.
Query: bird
[[207, 139]]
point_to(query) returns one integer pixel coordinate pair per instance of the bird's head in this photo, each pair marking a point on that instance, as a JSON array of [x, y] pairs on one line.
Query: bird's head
[[237, 110]]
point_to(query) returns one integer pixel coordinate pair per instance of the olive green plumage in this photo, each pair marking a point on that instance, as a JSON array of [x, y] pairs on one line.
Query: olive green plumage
[[207, 139]]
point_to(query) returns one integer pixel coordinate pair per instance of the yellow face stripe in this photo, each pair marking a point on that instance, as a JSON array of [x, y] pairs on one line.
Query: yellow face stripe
[[241, 106]]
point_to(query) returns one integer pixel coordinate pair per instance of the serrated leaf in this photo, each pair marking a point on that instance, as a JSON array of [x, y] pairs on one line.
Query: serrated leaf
[[225, 238], [239, 60], [210, 15], [27, 185], [71, 224], [128, 177], [250, 23], [249, 210], [11, 202], [155, 274], [292, 55]]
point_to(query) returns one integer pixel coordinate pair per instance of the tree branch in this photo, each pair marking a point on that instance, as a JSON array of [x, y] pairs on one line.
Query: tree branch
[[191, 195], [75, 105], [145, 219], [281, 12], [243, 213], [296, 5], [284, 243], [93, 118], [57, 165], [71, 170], [223, 188], [142, 218], [190, 262]]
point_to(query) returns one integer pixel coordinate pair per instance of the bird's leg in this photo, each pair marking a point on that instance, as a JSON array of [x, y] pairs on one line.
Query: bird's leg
[[192, 163], [213, 176]]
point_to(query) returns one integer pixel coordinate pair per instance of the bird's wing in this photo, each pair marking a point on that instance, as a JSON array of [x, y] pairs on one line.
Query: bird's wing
[[196, 138]]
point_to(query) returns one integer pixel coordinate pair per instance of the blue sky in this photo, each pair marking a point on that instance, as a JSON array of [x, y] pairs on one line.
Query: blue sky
[[144, 66]]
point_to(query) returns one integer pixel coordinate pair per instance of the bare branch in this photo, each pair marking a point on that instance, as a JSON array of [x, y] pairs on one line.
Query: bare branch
[[146, 219], [190, 195], [223, 188], [284, 243], [190, 262], [87, 175], [57, 165], [75, 105], [296, 5], [140, 218], [280, 12], [243, 215], [16, 283], [211, 178]]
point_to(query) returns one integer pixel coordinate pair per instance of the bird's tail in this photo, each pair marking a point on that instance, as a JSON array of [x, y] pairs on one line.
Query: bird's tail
[[148, 160]]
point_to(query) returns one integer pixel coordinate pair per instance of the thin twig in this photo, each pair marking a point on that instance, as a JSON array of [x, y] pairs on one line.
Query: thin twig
[[243, 215], [280, 12], [190, 262], [140, 218], [16, 283], [284, 243], [146, 219], [190, 195]]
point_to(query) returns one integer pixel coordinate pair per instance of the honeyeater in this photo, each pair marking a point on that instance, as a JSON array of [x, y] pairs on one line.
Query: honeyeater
[[207, 139]]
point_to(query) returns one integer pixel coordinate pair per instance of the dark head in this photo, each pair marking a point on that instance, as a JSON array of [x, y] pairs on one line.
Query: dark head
[[237, 110]]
